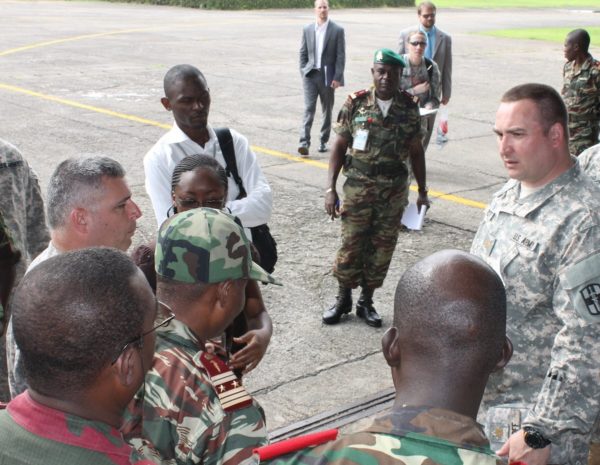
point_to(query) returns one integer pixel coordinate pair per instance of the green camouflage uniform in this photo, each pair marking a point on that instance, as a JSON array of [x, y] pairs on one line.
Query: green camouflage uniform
[[581, 93], [408, 436], [193, 409], [184, 421], [546, 248], [376, 186]]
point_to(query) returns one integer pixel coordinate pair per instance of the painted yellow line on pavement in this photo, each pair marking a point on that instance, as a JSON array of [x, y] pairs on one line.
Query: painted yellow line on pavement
[[274, 153], [83, 106], [71, 39]]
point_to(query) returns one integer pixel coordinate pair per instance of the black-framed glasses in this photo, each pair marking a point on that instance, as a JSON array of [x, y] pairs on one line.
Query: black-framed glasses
[[417, 43], [188, 204], [163, 319]]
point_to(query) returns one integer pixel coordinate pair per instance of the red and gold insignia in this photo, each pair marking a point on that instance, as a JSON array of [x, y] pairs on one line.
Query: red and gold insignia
[[229, 389], [359, 94]]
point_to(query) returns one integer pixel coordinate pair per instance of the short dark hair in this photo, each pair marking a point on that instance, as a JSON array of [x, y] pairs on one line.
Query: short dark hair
[[179, 72], [454, 307], [77, 181], [427, 5], [72, 314], [171, 292], [193, 162], [581, 37], [551, 106]]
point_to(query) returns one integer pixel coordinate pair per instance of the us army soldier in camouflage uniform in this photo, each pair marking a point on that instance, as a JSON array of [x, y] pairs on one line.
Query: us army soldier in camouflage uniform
[[22, 206], [381, 128], [589, 161], [448, 336], [9, 257], [541, 233], [194, 409], [581, 91]]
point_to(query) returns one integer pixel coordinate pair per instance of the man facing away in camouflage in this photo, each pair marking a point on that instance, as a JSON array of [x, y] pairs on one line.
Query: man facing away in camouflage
[[194, 409], [381, 128], [448, 336], [581, 91], [541, 233], [84, 357]]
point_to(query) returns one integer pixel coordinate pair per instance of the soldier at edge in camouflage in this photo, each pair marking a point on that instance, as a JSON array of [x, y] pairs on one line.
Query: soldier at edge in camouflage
[[381, 128], [581, 91], [447, 337]]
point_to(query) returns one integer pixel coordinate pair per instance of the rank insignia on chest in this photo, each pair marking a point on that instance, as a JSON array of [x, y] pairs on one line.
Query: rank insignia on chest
[[232, 395]]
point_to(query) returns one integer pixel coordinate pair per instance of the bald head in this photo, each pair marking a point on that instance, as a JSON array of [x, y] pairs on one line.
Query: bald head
[[451, 306], [581, 38], [180, 73]]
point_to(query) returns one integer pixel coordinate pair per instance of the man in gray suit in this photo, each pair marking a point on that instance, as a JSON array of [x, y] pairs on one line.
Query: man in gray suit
[[322, 61], [439, 46]]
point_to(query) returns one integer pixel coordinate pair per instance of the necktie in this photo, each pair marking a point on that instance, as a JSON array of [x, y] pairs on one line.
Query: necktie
[[429, 48]]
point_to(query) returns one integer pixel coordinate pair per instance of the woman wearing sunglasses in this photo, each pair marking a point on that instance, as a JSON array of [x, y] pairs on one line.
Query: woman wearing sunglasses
[[421, 78]]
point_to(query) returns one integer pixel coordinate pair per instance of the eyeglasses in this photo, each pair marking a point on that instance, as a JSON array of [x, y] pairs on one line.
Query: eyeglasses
[[188, 204], [417, 44], [162, 320], [429, 16]]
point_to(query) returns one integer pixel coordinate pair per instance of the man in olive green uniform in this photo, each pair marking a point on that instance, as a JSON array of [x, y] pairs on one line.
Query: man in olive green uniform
[[581, 92], [381, 129]]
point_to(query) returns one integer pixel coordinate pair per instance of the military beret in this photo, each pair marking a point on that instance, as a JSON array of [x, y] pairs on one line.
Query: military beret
[[205, 245], [388, 57]]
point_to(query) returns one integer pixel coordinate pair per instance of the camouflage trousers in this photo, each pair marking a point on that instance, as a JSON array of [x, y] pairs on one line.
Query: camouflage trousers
[[370, 216], [582, 136]]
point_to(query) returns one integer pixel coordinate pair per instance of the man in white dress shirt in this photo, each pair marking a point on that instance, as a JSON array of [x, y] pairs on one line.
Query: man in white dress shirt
[[187, 95]]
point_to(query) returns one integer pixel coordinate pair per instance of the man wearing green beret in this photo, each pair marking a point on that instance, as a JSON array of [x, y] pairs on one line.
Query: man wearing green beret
[[378, 137], [193, 408]]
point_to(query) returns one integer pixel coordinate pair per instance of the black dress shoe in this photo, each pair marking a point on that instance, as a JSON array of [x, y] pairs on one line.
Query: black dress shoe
[[303, 150], [366, 311], [323, 147], [343, 305]]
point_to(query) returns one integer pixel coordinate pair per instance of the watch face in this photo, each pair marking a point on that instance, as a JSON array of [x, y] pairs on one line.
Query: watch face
[[535, 440]]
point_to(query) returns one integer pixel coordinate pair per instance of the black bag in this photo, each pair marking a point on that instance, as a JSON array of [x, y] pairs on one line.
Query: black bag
[[261, 235]]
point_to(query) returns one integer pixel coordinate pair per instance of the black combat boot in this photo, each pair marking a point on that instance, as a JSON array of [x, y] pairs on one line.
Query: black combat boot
[[343, 305], [365, 309]]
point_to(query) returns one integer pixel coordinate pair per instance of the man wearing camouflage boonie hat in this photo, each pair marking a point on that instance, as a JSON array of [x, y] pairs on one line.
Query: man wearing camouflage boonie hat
[[194, 409], [380, 128]]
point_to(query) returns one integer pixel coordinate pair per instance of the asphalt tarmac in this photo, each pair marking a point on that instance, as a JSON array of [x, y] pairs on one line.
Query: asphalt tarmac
[[85, 78]]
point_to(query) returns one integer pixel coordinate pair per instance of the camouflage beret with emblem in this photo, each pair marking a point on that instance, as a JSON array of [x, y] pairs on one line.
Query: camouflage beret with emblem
[[387, 56], [205, 245]]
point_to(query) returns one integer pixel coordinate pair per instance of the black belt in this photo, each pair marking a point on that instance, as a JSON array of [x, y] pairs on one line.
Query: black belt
[[389, 169]]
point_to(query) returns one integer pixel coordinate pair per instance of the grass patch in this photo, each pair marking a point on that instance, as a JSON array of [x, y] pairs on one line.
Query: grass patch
[[551, 34], [515, 4]]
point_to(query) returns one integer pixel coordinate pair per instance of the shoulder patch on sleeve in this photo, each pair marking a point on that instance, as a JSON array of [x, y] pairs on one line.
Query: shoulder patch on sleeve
[[359, 94], [582, 283]]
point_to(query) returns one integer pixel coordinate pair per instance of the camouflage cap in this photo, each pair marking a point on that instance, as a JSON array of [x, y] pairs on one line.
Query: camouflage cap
[[387, 56], [205, 245]]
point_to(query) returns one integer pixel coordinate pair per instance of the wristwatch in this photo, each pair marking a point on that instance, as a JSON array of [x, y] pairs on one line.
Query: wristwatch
[[425, 190], [535, 439]]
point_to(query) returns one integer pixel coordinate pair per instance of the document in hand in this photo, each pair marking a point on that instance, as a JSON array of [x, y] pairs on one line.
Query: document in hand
[[412, 217]]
